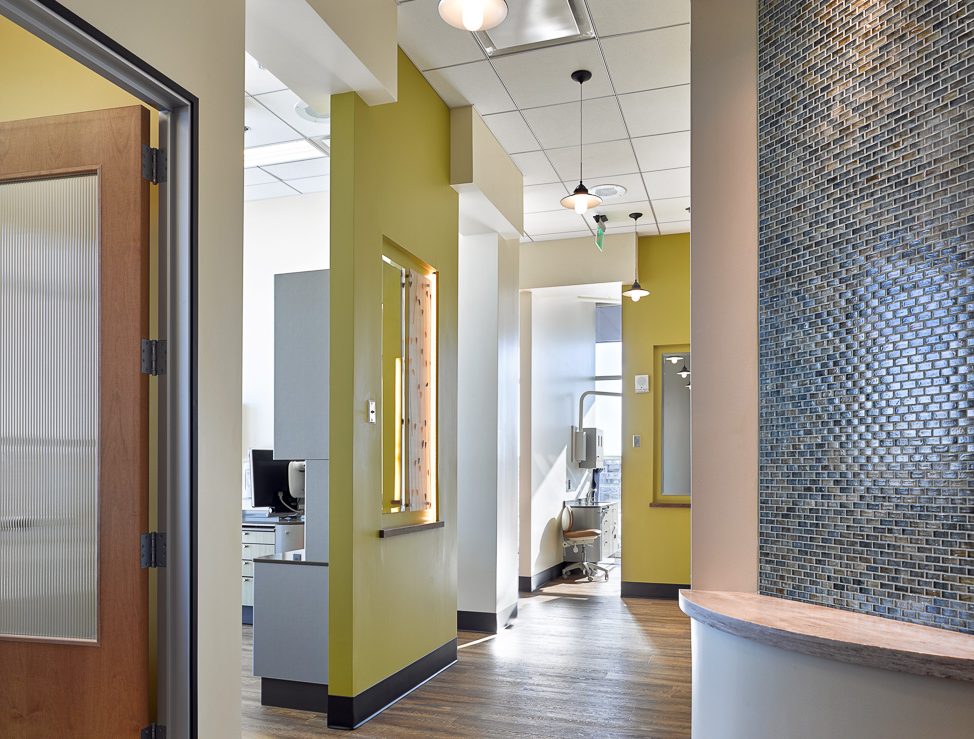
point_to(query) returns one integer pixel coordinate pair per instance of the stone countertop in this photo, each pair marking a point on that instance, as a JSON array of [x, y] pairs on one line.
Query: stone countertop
[[835, 634]]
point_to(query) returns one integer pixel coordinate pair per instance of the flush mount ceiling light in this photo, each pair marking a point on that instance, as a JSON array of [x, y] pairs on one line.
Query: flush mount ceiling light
[[473, 15], [308, 113], [636, 291], [581, 200], [608, 191], [289, 151]]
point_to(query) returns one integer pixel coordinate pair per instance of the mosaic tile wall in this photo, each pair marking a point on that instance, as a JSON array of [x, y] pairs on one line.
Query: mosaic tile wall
[[866, 149]]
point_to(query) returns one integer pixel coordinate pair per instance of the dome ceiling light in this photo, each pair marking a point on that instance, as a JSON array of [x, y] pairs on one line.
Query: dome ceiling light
[[473, 15]]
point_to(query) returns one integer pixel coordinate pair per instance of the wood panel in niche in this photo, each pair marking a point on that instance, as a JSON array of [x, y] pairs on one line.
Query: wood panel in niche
[[421, 390]]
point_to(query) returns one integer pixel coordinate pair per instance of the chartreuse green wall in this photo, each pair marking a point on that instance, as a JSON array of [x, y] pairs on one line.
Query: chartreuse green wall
[[394, 600], [655, 541]]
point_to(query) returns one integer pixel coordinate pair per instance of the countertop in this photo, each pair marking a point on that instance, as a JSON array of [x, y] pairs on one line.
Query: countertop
[[835, 634], [294, 557], [258, 516]]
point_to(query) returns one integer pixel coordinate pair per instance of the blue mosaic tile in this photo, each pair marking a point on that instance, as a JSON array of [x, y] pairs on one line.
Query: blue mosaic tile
[[866, 306]]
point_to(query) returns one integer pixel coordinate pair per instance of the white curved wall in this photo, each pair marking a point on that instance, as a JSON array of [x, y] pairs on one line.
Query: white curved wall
[[743, 689]]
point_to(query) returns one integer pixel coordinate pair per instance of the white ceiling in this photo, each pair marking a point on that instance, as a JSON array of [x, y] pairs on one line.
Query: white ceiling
[[636, 111], [270, 118]]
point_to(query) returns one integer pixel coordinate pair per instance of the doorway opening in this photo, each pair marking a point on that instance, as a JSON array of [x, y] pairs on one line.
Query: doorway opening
[[98, 252]]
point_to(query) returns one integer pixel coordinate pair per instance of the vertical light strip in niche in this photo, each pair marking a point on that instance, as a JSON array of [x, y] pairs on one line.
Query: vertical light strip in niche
[[421, 401]]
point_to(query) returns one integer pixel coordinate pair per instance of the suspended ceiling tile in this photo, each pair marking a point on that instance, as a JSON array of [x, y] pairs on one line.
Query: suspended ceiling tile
[[657, 111], [535, 167], [679, 227], [431, 43], [270, 190], [543, 76], [619, 219], [257, 176], [541, 198], [624, 16], [553, 222], [648, 60], [557, 125], [601, 161], [648, 228], [635, 192], [566, 235], [311, 184], [264, 127], [257, 80], [471, 84], [512, 132], [665, 151], [283, 104], [304, 168], [670, 210], [668, 183]]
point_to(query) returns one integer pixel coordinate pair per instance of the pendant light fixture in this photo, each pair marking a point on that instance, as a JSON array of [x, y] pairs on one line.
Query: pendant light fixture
[[636, 291], [581, 200], [473, 15], [685, 372], [674, 359]]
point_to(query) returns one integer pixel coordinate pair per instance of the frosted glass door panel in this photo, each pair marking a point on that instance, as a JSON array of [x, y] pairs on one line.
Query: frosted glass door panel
[[49, 408]]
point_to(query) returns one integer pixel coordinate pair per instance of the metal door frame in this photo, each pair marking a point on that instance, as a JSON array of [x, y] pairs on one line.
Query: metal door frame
[[177, 387]]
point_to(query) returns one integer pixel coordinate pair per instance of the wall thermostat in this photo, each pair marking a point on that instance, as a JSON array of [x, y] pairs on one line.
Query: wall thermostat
[[642, 383]]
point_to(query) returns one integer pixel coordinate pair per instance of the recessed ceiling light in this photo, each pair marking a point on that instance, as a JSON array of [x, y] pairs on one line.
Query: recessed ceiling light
[[608, 192], [308, 113], [289, 151]]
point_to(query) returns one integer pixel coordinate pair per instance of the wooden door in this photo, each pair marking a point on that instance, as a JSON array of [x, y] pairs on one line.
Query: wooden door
[[74, 235]]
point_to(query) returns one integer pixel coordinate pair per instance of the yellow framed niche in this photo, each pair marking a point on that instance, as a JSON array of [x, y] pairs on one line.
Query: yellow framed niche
[[408, 410], [671, 426]]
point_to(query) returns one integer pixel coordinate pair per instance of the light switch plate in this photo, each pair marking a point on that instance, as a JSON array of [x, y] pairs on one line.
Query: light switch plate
[[637, 441], [371, 411], [642, 384]]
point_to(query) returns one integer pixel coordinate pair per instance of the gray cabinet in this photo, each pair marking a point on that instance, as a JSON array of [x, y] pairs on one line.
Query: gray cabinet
[[258, 540]]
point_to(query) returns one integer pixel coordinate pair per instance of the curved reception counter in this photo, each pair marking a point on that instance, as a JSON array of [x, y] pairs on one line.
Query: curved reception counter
[[768, 668]]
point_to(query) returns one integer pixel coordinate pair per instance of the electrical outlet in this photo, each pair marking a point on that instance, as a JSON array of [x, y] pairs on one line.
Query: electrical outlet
[[637, 441]]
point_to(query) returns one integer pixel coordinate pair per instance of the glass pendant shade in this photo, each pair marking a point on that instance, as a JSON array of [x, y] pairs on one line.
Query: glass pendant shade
[[473, 15], [581, 200]]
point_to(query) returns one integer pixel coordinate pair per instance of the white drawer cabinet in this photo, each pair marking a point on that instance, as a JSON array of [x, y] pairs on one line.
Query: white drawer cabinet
[[259, 540]]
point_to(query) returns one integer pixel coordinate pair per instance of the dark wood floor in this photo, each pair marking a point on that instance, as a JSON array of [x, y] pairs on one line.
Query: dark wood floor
[[578, 662]]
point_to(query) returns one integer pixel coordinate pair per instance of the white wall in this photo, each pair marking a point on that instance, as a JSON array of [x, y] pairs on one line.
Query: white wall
[[486, 424], [280, 235], [200, 45], [578, 262], [723, 301], [743, 689], [560, 342]]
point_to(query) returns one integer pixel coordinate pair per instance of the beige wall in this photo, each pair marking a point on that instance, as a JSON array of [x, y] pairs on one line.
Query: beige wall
[[723, 302], [200, 46], [578, 262]]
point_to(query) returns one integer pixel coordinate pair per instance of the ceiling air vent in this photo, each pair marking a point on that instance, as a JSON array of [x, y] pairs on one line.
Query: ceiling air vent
[[533, 24]]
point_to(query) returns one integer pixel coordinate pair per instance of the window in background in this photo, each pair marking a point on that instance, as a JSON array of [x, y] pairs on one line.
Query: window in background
[[606, 412]]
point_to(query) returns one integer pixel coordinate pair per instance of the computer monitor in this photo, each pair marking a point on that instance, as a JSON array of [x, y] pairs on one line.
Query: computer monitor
[[270, 483]]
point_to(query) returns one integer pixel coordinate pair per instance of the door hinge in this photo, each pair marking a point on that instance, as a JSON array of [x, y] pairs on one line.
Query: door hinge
[[153, 356], [153, 731], [153, 550], [153, 164]]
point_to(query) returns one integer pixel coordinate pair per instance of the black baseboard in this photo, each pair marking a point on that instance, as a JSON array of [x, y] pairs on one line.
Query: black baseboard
[[293, 694], [489, 623], [350, 713], [248, 615], [652, 590], [530, 584]]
